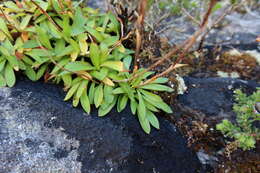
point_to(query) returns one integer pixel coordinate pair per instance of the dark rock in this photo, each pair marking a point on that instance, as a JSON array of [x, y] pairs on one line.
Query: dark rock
[[39, 132], [214, 96]]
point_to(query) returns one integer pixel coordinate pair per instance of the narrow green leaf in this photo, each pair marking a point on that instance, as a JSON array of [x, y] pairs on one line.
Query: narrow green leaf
[[67, 79], [151, 96], [118, 91], [153, 120], [25, 22], [91, 93], [2, 65], [108, 95], [9, 75], [75, 101], [78, 66], [41, 71], [30, 73], [61, 64], [72, 90], [141, 109], [43, 37], [133, 105], [83, 86], [122, 102], [105, 109], [161, 80], [2, 81], [84, 101], [99, 95], [115, 65], [3, 28], [145, 124], [157, 87], [31, 44], [95, 54], [94, 33]]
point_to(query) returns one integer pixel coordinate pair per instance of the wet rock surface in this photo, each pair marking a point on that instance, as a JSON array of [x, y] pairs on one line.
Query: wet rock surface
[[41, 133], [214, 96]]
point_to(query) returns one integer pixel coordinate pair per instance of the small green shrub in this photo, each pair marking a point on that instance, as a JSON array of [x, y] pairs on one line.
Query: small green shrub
[[81, 48], [244, 132]]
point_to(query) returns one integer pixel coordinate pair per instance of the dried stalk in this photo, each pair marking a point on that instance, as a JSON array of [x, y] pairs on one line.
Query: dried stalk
[[139, 29], [190, 42], [47, 15]]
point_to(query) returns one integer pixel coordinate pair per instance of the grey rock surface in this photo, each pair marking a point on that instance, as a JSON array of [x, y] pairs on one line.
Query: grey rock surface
[[214, 96], [40, 133]]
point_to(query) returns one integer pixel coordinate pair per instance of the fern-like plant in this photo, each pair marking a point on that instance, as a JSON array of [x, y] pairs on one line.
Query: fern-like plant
[[244, 131]]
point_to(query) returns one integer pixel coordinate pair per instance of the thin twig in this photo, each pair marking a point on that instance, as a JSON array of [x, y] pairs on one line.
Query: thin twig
[[139, 29], [190, 43], [219, 19], [190, 16], [47, 15], [6, 18]]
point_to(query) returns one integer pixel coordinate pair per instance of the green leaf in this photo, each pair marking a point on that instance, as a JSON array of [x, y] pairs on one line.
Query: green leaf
[[133, 105], [31, 44], [91, 93], [75, 101], [99, 95], [4, 51], [157, 87], [67, 79], [145, 124], [71, 92], [153, 120], [111, 40], [30, 73], [161, 105], [2, 65], [108, 95], [54, 31], [122, 102], [43, 37], [141, 109], [65, 51], [118, 91], [2, 81], [9, 75], [60, 65], [150, 107], [98, 75], [78, 66], [84, 101], [41, 71], [94, 33], [25, 22], [3, 28], [78, 23], [83, 86], [95, 54], [11, 5], [65, 24], [161, 80], [13, 62], [150, 96], [105, 109], [115, 65]]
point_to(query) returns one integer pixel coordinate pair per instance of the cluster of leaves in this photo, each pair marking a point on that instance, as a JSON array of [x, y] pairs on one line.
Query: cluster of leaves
[[65, 42], [244, 132]]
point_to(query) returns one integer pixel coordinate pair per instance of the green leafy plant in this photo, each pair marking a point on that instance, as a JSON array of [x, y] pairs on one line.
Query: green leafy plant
[[244, 132], [64, 42]]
